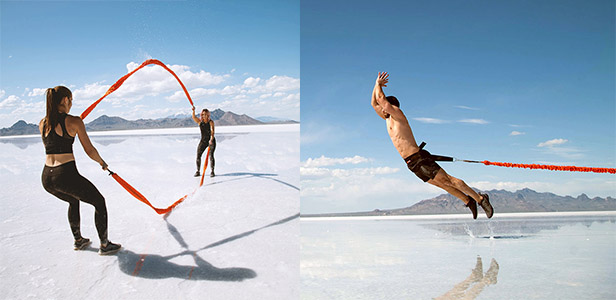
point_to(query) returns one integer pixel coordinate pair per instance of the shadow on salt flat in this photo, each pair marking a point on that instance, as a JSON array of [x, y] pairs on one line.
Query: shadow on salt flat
[[154, 266]]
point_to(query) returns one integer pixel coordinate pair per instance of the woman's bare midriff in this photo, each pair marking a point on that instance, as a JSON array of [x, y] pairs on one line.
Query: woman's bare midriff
[[53, 160]]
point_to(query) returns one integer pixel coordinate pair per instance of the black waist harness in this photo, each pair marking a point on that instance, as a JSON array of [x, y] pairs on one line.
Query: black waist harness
[[422, 164], [434, 157], [56, 144]]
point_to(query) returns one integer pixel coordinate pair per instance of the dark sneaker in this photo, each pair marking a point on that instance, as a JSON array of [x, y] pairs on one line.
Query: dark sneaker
[[109, 248], [212, 174], [472, 205], [82, 243], [485, 204], [197, 174]]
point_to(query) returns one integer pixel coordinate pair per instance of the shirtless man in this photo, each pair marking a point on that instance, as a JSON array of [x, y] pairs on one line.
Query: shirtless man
[[420, 161]]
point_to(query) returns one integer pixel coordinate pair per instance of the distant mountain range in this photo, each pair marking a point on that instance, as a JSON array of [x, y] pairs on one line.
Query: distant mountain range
[[525, 200], [20, 128], [102, 123]]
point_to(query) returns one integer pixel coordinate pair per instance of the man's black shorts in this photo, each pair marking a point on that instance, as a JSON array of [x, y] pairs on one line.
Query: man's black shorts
[[423, 165]]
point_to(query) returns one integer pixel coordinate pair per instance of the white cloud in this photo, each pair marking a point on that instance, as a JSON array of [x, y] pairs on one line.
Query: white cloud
[[10, 102], [362, 190], [14, 108], [553, 147], [146, 112], [25, 108], [282, 83], [431, 120], [327, 161], [37, 92], [466, 107], [201, 78], [552, 143], [327, 189], [18, 107], [474, 121], [251, 82], [311, 172], [276, 86], [2, 92], [89, 92], [153, 81], [253, 96], [341, 173], [314, 172], [277, 96], [566, 152], [514, 133]]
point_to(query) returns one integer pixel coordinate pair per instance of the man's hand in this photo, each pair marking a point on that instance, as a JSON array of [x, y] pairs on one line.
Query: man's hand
[[382, 79]]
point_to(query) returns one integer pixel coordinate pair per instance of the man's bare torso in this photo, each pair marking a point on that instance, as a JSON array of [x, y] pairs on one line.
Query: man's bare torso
[[402, 136]]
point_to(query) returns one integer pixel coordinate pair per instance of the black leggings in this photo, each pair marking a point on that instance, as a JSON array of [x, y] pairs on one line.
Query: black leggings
[[66, 183], [201, 148]]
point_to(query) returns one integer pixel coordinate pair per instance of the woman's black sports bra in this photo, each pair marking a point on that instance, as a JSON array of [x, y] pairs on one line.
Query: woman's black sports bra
[[55, 144]]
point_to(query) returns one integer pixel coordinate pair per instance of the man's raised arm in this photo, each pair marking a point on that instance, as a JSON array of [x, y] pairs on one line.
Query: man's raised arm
[[377, 93], [384, 108]]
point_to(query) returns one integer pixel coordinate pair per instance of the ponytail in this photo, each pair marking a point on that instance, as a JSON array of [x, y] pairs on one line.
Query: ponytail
[[54, 97]]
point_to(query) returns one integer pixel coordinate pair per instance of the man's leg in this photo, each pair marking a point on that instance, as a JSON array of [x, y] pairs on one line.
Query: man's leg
[[455, 186], [458, 188], [444, 181], [449, 184]]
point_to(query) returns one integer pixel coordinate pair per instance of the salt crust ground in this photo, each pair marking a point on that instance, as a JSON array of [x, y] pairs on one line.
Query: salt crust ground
[[237, 237]]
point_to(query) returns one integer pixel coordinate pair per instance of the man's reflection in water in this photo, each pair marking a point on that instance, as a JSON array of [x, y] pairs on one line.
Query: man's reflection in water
[[472, 286]]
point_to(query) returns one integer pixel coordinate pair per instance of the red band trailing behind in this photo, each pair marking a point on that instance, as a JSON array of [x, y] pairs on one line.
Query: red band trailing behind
[[551, 167]]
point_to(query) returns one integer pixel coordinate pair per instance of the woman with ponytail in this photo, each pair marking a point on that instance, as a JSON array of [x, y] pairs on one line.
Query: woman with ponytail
[[60, 176]]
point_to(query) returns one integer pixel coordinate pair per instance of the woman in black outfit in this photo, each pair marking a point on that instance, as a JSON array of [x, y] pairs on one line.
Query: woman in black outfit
[[60, 176], [206, 125]]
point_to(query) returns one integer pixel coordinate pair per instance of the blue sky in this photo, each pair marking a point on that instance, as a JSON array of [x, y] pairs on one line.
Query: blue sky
[[241, 56], [508, 81]]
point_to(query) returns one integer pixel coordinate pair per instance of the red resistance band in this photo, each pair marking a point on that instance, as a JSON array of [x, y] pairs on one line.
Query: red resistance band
[[117, 177], [143, 199], [119, 83], [551, 167]]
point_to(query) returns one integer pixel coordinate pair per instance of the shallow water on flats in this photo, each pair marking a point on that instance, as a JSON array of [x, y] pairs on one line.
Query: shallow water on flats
[[526, 256]]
